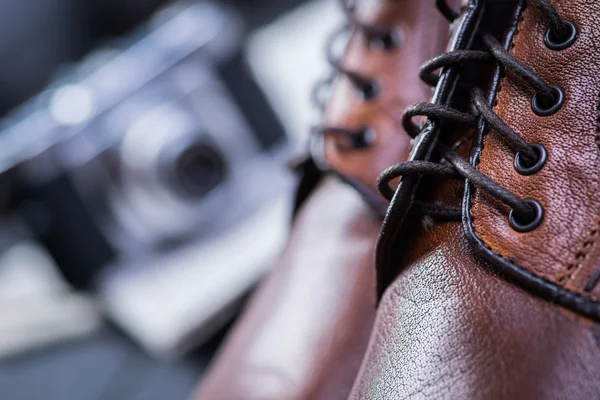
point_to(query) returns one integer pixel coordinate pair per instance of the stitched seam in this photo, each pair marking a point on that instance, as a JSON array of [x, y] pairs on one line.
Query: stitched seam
[[576, 295], [598, 124], [495, 103], [581, 254], [594, 233], [592, 237], [473, 189]]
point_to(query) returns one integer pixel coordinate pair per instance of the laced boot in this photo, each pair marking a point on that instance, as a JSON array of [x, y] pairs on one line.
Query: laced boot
[[488, 259]]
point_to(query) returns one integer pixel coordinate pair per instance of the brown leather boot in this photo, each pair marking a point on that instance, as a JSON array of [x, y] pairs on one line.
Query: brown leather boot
[[489, 255], [305, 332]]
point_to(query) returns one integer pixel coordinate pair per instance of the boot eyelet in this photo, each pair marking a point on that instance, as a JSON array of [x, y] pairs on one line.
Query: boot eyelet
[[361, 138], [554, 43], [545, 110], [386, 42], [364, 138], [524, 225], [369, 91], [521, 166]]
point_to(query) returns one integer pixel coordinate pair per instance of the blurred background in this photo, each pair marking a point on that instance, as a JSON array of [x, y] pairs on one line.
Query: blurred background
[[144, 190]]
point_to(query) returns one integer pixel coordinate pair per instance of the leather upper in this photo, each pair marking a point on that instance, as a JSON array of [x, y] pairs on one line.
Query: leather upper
[[396, 230], [561, 250], [449, 329], [422, 33], [552, 261], [451, 325], [305, 331]]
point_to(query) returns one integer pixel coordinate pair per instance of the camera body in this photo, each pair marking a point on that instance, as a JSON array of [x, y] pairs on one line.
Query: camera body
[[143, 148]]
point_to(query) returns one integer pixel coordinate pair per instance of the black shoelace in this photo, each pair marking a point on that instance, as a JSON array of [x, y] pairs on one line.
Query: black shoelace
[[377, 37], [526, 214]]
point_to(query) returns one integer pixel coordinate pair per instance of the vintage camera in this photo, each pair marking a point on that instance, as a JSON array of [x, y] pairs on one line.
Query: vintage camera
[[145, 147]]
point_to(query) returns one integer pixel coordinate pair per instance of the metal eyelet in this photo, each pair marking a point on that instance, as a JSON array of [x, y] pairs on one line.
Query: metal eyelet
[[569, 38], [542, 156], [362, 138], [544, 110], [385, 42], [529, 224], [369, 91]]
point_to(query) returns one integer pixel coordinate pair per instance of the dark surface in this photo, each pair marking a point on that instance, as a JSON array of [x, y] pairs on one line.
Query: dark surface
[[64, 226], [251, 101], [39, 37], [103, 366]]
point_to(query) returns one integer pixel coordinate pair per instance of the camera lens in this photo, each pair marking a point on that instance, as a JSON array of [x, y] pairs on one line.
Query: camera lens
[[199, 169]]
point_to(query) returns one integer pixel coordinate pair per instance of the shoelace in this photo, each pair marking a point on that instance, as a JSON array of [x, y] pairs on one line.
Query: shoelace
[[378, 37], [526, 214], [368, 88]]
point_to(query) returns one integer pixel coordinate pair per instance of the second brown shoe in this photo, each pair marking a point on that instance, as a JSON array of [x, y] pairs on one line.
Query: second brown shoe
[[305, 332]]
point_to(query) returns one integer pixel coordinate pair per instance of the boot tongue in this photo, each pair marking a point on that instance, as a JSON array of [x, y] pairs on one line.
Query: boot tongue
[[499, 17]]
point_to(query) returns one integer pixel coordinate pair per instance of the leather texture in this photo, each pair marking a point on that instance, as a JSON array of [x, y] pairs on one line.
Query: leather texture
[[449, 327], [422, 34], [395, 233], [561, 250], [304, 333]]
